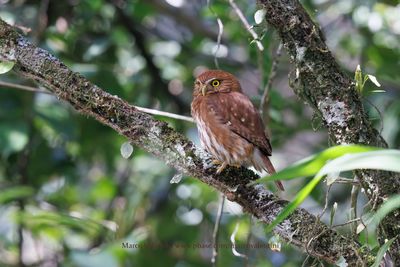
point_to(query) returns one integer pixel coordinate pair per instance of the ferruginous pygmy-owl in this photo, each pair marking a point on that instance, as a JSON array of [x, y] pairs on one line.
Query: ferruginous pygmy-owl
[[230, 127]]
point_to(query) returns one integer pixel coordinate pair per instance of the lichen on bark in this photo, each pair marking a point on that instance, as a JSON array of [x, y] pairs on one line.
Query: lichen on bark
[[158, 138], [319, 81]]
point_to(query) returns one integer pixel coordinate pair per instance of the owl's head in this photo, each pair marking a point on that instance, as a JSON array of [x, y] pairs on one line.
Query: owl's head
[[215, 81]]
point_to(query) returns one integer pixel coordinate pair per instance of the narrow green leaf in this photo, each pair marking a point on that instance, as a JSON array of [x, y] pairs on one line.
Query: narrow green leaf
[[388, 160], [378, 91], [382, 252], [311, 165], [373, 79], [56, 219], [6, 66], [304, 192], [358, 79], [393, 203], [14, 193], [382, 159]]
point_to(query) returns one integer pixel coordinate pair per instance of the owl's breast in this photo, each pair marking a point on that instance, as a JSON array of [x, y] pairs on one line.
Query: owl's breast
[[217, 137]]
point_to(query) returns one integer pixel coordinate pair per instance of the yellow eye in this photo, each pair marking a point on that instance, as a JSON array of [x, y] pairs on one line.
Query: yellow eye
[[215, 83]]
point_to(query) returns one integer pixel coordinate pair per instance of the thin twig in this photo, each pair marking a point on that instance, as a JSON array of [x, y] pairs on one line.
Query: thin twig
[[165, 114], [346, 223], [342, 180], [234, 251], [146, 110], [355, 189], [246, 24], [271, 76], [319, 218], [216, 230], [220, 32], [24, 87], [248, 241]]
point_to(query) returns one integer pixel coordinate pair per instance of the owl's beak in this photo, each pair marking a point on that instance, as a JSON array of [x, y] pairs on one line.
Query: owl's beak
[[203, 89]]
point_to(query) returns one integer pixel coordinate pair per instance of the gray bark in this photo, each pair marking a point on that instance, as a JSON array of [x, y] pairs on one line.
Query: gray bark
[[301, 229], [319, 81]]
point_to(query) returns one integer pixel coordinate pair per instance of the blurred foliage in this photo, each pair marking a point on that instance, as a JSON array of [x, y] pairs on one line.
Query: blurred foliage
[[68, 192]]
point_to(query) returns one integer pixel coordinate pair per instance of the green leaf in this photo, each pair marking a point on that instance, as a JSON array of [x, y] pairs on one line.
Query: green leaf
[[388, 159], [358, 79], [387, 207], [126, 150], [373, 79], [13, 137], [55, 219], [378, 91], [304, 192], [259, 16], [311, 165], [14, 193], [341, 262], [382, 252], [6, 66]]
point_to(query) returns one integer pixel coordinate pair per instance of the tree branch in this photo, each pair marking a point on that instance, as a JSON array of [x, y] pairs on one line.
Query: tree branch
[[157, 138], [319, 81], [188, 20]]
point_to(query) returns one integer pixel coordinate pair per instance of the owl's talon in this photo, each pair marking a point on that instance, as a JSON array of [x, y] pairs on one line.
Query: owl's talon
[[222, 167], [216, 162]]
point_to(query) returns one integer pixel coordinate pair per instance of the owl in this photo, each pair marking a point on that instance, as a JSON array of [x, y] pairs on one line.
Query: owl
[[229, 126]]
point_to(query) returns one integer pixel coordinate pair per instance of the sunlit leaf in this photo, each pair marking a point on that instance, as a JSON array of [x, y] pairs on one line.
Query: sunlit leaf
[[259, 16], [332, 177], [388, 160], [373, 79], [13, 137], [6, 66], [126, 150], [311, 165], [176, 178], [378, 91], [341, 262]]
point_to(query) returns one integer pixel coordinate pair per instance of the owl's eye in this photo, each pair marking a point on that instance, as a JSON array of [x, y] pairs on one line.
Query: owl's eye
[[215, 83]]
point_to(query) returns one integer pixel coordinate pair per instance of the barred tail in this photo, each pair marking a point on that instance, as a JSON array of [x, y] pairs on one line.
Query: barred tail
[[271, 170]]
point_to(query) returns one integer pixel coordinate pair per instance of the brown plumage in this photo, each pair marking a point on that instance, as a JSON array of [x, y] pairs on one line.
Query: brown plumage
[[230, 127]]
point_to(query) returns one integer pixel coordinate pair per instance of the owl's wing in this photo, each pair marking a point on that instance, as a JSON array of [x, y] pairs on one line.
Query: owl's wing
[[236, 111]]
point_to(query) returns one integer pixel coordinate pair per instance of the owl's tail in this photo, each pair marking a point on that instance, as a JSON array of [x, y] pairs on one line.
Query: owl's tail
[[271, 170]]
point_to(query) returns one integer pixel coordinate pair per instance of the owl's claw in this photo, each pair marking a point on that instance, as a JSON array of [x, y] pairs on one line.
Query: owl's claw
[[216, 162], [222, 167]]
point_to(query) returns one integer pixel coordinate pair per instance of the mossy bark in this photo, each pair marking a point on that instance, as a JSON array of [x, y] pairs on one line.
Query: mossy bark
[[301, 229], [319, 81]]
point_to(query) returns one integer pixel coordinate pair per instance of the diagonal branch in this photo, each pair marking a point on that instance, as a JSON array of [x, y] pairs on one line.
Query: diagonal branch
[[157, 138], [318, 80]]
